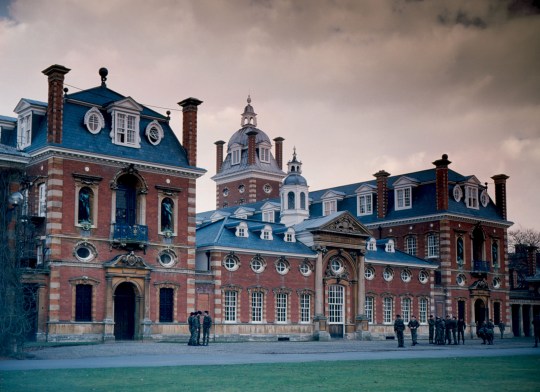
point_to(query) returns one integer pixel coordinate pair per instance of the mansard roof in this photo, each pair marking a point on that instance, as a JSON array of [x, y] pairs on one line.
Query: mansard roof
[[397, 257]]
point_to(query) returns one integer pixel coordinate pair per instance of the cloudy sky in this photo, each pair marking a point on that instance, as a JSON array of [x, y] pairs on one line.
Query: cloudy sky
[[357, 86]]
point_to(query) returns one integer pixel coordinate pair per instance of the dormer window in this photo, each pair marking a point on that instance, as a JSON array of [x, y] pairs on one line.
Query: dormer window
[[290, 235], [264, 154], [266, 233], [471, 197], [329, 207], [390, 246], [372, 244], [125, 123], [403, 198], [94, 121], [241, 230], [365, 204], [154, 133], [484, 198], [268, 216], [235, 155], [24, 134]]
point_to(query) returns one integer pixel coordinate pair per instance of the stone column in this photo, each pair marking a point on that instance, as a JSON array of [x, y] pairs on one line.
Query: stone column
[[321, 333], [362, 323], [108, 323], [147, 323], [520, 316]]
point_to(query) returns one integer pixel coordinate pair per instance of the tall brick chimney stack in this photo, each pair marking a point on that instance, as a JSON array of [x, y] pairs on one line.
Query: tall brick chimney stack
[[189, 125], [441, 182], [382, 192], [55, 108], [531, 260], [279, 151], [251, 147], [500, 193], [219, 154]]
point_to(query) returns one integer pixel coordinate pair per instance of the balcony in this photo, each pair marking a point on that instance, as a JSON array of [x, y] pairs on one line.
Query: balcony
[[130, 236], [480, 268]]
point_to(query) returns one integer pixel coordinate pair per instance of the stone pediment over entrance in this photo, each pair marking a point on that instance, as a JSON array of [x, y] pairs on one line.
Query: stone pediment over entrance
[[345, 223], [128, 260], [480, 285]]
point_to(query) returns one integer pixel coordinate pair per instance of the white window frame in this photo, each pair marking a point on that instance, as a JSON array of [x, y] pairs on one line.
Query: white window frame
[[432, 245], [471, 197], [230, 306], [42, 204], [236, 155], [336, 304], [94, 121], [423, 305], [154, 129], [369, 273], [242, 230], [406, 275], [264, 154], [406, 307], [24, 131], [388, 309], [305, 308], [281, 307], [289, 235], [365, 204], [257, 304], [231, 263], [266, 234], [403, 198], [423, 277], [126, 126], [329, 206], [369, 306], [268, 216], [372, 244], [411, 245], [388, 274]]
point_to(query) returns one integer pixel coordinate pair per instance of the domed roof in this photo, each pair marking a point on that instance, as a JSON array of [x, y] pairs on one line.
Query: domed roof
[[241, 137], [294, 179]]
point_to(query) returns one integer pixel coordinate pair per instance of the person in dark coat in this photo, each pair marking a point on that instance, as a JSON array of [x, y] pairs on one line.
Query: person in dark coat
[[461, 330], [502, 327], [439, 331], [490, 333], [399, 327], [191, 330], [448, 330], [413, 326], [206, 325], [431, 323]]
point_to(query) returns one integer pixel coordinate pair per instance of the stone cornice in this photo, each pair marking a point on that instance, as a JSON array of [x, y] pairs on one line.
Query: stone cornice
[[439, 217]]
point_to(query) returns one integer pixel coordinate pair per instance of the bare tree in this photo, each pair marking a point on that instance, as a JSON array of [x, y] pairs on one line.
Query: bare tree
[[529, 237]]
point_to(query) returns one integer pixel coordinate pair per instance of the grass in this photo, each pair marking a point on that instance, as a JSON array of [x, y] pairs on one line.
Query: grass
[[519, 373]]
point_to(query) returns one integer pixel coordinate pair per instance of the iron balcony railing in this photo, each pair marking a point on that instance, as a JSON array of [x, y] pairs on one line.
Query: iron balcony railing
[[130, 234]]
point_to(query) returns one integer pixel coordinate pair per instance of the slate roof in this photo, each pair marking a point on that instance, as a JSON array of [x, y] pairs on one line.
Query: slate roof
[[397, 257], [76, 137], [222, 234]]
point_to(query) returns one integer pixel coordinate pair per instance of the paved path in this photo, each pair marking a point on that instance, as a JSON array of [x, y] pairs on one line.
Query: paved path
[[147, 354]]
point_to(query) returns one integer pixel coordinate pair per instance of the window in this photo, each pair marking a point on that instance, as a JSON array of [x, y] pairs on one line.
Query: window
[[387, 310], [166, 305], [484, 198], [369, 273], [241, 230], [291, 201], [264, 154], [154, 133], [281, 307], [125, 129], [268, 216], [231, 263], [42, 206], [433, 245], [257, 264], [365, 204], [388, 274], [256, 306], [305, 269], [461, 280], [460, 252], [336, 266], [305, 308], [266, 233], [372, 244], [496, 283], [303, 201], [230, 305], [406, 275], [410, 245], [471, 197], [458, 193], [24, 131], [94, 121], [167, 258], [235, 156], [225, 192], [406, 309], [289, 235], [329, 207], [267, 188], [403, 198], [282, 266], [495, 253], [423, 310], [84, 251], [369, 309], [423, 277], [83, 302], [336, 296]]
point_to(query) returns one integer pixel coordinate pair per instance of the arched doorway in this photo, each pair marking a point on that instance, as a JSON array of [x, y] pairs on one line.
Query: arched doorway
[[124, 312], [479, 311]]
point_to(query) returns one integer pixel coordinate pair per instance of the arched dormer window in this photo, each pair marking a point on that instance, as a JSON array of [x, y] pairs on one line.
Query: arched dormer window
[[290, 235], [372, 244], [242, 230], [154, 133], [94, 121], [390, 246], [266, 233]]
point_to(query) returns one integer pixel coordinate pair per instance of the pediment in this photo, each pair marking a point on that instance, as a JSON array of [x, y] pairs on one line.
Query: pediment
[[244, 211], [270, 206], [127, 104], [332, 194], [346, 223], [128, 260], [473, 180], [405, 181], [218, 215], [25, 105], [366, 188]]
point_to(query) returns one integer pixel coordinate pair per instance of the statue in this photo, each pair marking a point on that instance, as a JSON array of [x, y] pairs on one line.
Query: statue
[[84, 205], [166, 215]]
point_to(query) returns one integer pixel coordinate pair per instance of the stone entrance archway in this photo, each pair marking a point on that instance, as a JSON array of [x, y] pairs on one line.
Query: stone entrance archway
[[124, 312]]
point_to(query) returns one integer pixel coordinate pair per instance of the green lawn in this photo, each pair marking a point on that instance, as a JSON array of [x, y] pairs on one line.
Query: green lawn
[[520, 373]]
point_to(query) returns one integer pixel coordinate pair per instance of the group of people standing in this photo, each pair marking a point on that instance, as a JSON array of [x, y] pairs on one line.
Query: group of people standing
[[194, 323], [445, 331]]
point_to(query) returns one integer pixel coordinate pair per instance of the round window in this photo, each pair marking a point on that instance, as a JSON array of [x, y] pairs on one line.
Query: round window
[[241, 188], [388, 274], [282, 268], [336, 266], [84, 251], [304, 269], [406, 276], [154, 135], [225, 192], [369, 273], [497, 283], [231, 263], [461, 280], [267, 188], [257, 265], [167, 258], [423, 277]]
